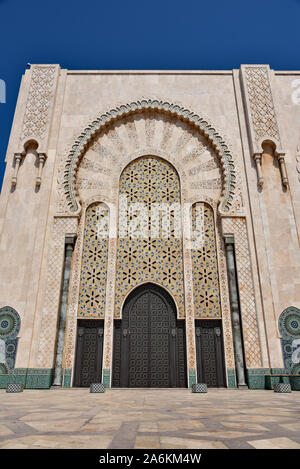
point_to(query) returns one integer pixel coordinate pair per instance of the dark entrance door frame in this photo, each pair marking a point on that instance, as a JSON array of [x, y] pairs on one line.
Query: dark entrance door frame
[[89, 352], [149, 336], [210, 352]]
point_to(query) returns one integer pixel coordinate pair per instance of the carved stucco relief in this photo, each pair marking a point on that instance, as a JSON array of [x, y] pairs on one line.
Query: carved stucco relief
[[135, 109], [40, 99], [260, 107]]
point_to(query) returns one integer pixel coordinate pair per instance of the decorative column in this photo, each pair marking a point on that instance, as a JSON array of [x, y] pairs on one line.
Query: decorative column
[[42, 83], [235, 311], [257, 158], [189, 298], [69, 246], [110, 298], [18, 158]]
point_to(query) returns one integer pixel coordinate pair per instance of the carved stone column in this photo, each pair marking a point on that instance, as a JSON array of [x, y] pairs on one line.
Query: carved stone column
[[69, 246], [189, 300], [110, 299], [235, 311]]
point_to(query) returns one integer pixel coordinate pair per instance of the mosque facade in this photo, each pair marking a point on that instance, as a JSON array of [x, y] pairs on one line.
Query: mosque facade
[[150, 229]]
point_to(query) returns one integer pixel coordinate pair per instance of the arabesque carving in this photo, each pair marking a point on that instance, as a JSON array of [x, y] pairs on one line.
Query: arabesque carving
[[78, 149]]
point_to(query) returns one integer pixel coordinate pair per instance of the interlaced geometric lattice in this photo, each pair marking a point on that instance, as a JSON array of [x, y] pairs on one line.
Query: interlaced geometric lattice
[[153, 249], [261, 103], [205, 267], [94, 263], [238, 227]]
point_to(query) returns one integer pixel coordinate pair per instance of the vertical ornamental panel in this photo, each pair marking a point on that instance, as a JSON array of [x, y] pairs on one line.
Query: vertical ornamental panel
[[47, 337], [149, 245], [205, 267], [94, 263]]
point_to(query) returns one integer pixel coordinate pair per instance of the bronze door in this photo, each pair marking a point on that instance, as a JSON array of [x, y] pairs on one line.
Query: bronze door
[[149, 342], [210, 353], [89, 352]]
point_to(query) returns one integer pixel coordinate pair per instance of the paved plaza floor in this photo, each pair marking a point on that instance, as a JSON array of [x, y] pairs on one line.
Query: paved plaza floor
[[149, 419]]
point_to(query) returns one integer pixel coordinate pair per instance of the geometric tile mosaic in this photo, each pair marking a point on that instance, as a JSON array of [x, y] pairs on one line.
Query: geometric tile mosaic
[[150, 248], [289, 328], [10, 324], [205, 268], [92, 290]]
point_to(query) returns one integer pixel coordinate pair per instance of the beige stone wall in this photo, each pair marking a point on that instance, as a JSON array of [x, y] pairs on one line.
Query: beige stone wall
[[270, 113], [25, 208], [31, 245]]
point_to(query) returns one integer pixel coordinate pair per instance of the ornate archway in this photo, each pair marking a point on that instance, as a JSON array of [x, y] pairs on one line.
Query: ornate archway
[[81, 144], [112, 144]]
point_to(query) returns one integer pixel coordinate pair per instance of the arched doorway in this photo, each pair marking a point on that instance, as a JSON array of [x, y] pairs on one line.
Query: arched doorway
[[149, 342]]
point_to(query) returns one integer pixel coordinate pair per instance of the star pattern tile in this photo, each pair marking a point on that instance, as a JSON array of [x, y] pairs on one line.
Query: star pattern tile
[[205, 267], [153, 251], [92, 292]]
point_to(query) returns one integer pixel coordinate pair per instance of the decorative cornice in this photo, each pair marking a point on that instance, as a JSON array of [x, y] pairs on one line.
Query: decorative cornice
[[78, 149]]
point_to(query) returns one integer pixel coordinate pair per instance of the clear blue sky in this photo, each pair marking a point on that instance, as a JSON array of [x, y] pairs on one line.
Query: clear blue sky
[[139, 34]]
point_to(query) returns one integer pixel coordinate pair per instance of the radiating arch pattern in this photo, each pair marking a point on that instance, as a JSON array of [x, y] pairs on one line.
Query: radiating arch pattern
[[82, 142]]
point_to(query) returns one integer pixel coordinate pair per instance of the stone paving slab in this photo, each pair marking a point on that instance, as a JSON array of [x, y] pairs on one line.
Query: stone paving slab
[[149, 419]]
